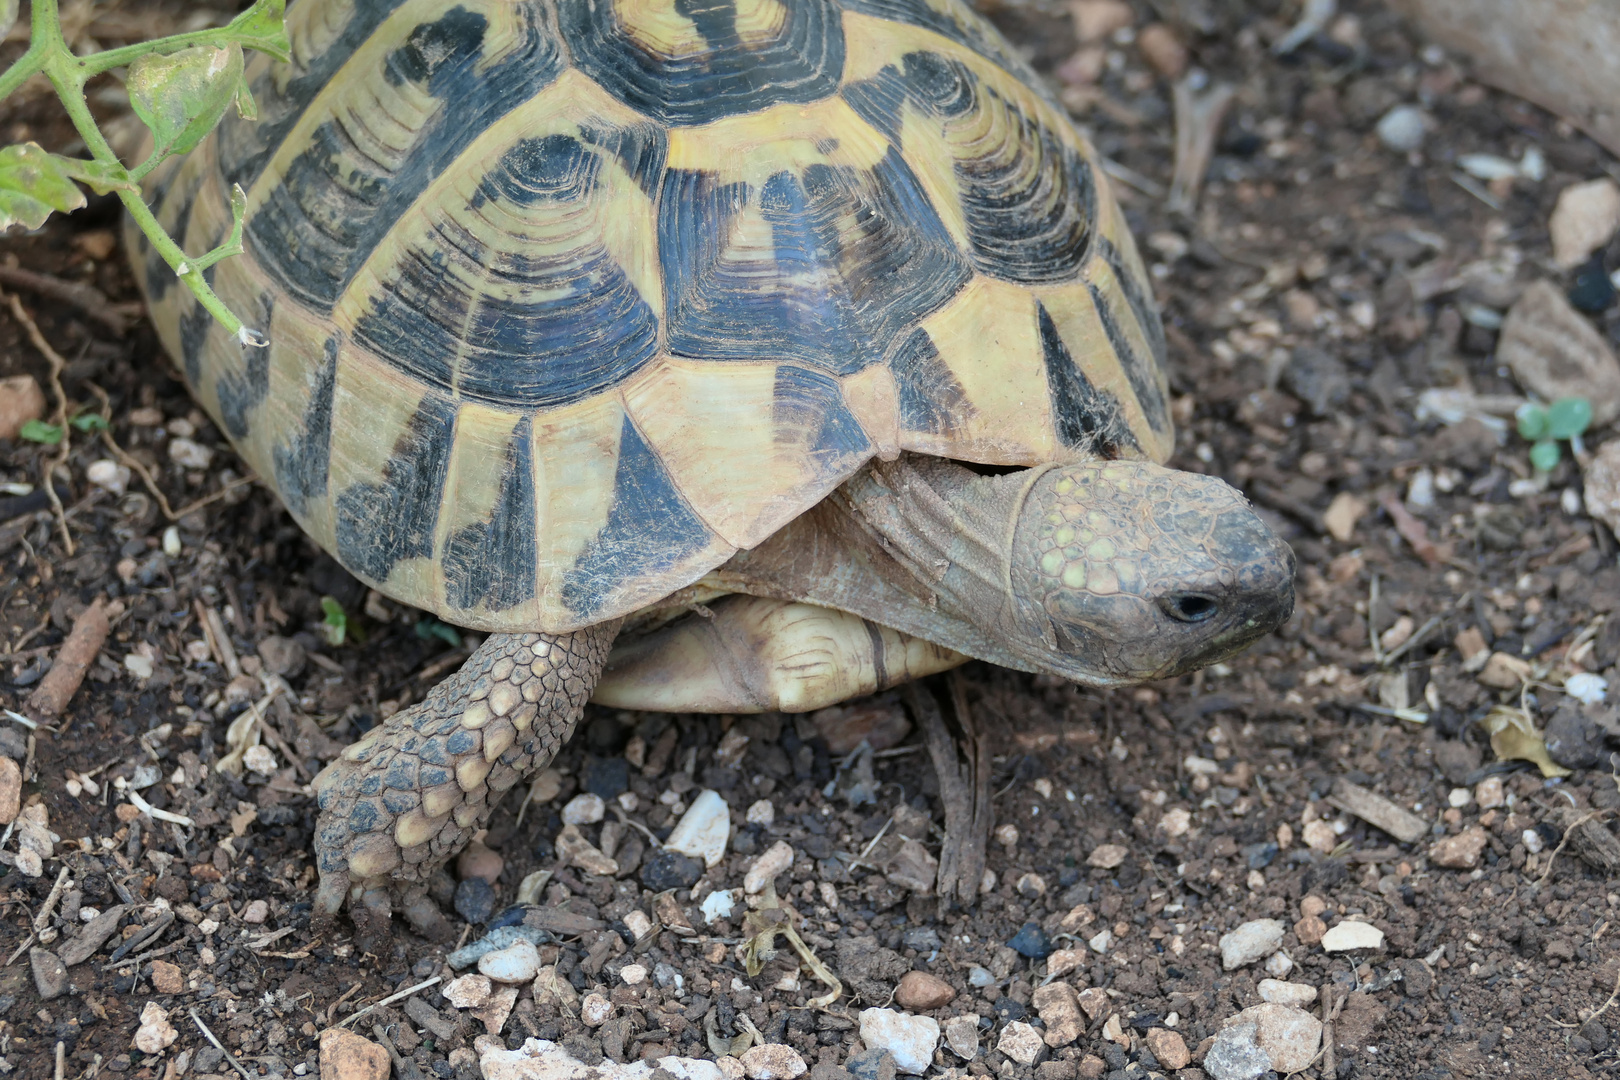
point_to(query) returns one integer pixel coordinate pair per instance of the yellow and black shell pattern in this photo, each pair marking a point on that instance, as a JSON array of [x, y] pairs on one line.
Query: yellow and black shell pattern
[[570, 300]]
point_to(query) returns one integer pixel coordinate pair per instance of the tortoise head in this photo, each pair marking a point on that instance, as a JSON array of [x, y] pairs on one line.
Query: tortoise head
[[1132, 571]]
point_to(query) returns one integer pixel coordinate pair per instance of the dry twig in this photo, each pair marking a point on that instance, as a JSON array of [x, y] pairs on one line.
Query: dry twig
[[78, 652], [87, 298], [54, 358]]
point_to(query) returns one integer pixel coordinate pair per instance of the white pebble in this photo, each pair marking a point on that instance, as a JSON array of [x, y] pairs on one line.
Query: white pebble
[[718, 905], [259, 759], [171, 542], [1250, 942], [108, 474], [595, 1010], [1533, 843], [1403, 128], [1277, 992], [1587, 688], [1279, 964], [638, 923], [629, 802], [704, 830], [762, 813], [586, 809], [519, 962], [633, 974], [1459, 797], [1351, 935], [468, 992], [910, 1039], [776, 859], [190, 455]]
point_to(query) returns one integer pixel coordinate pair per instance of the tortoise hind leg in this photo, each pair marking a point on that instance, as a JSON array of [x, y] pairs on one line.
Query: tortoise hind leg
[[409, 794]]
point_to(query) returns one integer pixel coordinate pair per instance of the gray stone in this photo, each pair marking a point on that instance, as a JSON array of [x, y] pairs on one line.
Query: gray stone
[[1250, 942], [1403, 128], [94, 934], [1235, 1055], [911, 1039], [50, 975], [1572, 740]]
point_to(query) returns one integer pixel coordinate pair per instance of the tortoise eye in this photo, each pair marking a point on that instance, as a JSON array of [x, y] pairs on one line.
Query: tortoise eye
[[1189, 607]]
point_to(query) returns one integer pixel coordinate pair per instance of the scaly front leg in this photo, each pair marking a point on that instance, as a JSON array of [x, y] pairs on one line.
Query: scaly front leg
[[407, 796]]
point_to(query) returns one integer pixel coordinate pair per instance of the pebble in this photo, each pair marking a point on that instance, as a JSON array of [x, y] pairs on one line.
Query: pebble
[[156, 1034], [21, 400], [1490, 793], [718, 905], [1031, 941], [871, 1065], [1107, 856], [633, 974], [1235, 1055], [1168, 1047], [94, 934], [1583, 221], [762, 813], [1460, 852], [980, 977], [1063, 961], [1098, 19], [608, 778], [478, 861], [704, 829], [1352, 935], [519, 962], [541, 1059], [347, 1056], [1031, 886], [1007, 835], [1101, 941], [1059, 1009], [586, 809], [1573, 740], [547, 786], [474, 900], [1556, 352], [670, 870], [1279, 964], [108, 475], [167, 978], [923, 992], [773, 1061], [637, 922], [962, 1036], [282, 656], [1095, 1000], [1277, 992], [574, 850], [1250, 942], [880, 723], [1342, 515], [1403, 128], [551, 988], [189, 454], [1602, 483], [777, 859], [595, 1010], [10, 791], [495, 1011], [499, 938], [1289, 1037], [1021, 1042], [910, 1039], [914, 867], [256, 912], [50, 975], [468, 992], [1163, 51]]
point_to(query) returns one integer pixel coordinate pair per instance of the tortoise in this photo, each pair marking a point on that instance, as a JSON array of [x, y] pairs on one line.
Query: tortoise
[[709, 355]]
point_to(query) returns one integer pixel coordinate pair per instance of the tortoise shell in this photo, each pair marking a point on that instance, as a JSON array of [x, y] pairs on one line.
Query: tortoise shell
[[570, 300]]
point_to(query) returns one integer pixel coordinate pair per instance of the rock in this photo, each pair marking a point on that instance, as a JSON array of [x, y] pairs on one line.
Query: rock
[[1107, 856], [574, 850], [911, 1039], [1403, 128], [1095, 1000], [1602, 483], [913, 867], [282, 656], [109, 475], [1169, 1047], [1342, 514], [498, 938], [670, 870], [551, 988], [10, 791], [777, 859], [1583, 221], [494, 1012], [1310, 930], [1250, 942], [762, 813], [547, 785], [962, 1036], [773, 1061], [1595, 1033], [347, 1056], [1279, 964], [478, 861], [1095, 20], [1277, 992], [156, 1034], [50, 974], [1163, 50], [93, 936], [1031, 941], [519, 962], [704, 830], [541, 1059], [1352, 935], [718, 905], [870, 1065], [1059, 1009], [1021, 1042], [881, 722], [256, 912], [21, 400], [1555, 352], [1289, 1037], [1460, 852], [474, 900], [468, 992], [1417, 978], [607, 778], [167, 978], [1063, 961], [1504, 672], [923, 992], [1572, 739], [1360, 1017], [1235, 1055], [595, 1010], [586, 809]]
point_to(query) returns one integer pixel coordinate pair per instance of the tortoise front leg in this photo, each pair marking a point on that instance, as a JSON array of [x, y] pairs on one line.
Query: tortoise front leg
[[408, 795]]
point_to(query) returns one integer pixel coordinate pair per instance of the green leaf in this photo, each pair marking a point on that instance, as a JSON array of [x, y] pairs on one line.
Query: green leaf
[[41, 432], [100, 175], [180, 97], [1568, 417], [263, 26], [89, 422], [1532, 420], [1544, 455], [334, 622], [32, 185]]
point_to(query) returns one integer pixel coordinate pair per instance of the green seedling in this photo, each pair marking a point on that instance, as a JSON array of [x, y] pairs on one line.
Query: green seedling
[[428, 628], [1545, 426], [179, 86], [51, 435], [334, 621]]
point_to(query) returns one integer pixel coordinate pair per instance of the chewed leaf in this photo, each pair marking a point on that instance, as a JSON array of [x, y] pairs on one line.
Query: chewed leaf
[[33, 184], [180, 97], [1514, 738]]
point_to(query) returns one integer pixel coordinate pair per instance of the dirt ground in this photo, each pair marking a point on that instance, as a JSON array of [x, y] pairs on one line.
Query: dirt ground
[[1323, 283]]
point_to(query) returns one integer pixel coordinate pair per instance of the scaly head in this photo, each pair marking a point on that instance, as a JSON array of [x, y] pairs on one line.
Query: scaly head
[[1128, 571]]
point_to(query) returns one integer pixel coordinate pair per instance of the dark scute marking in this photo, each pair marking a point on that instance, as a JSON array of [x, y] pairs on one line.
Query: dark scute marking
[[240, 392], [494, 561], [880, 668], [380, 524], [431, 752], [247, 145], [880, 101], [939, 84], [641, 150], [967, 30], [336, 204], [650, 530], [401, 773], [460, 741], [400, 802], [1087, 419], [1138, 371], [728, 78], [372, 783], [814, 402], [1147, 318], [930, 398], [301, 464], [576, 326], [363, 817]]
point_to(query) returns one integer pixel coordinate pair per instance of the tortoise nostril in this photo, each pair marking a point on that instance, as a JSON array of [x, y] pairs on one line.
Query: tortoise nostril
[[1190, 607]]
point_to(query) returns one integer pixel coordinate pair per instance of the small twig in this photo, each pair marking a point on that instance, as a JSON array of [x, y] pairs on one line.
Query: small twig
[[1198, 122], [161, 815], [389, 1000], [349, 993], [54, 358], [61, 1061], [87, 298], [211, 1037], [32, 937], [1569, 830], [78, 652], [1414, 641], [43, 919]]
